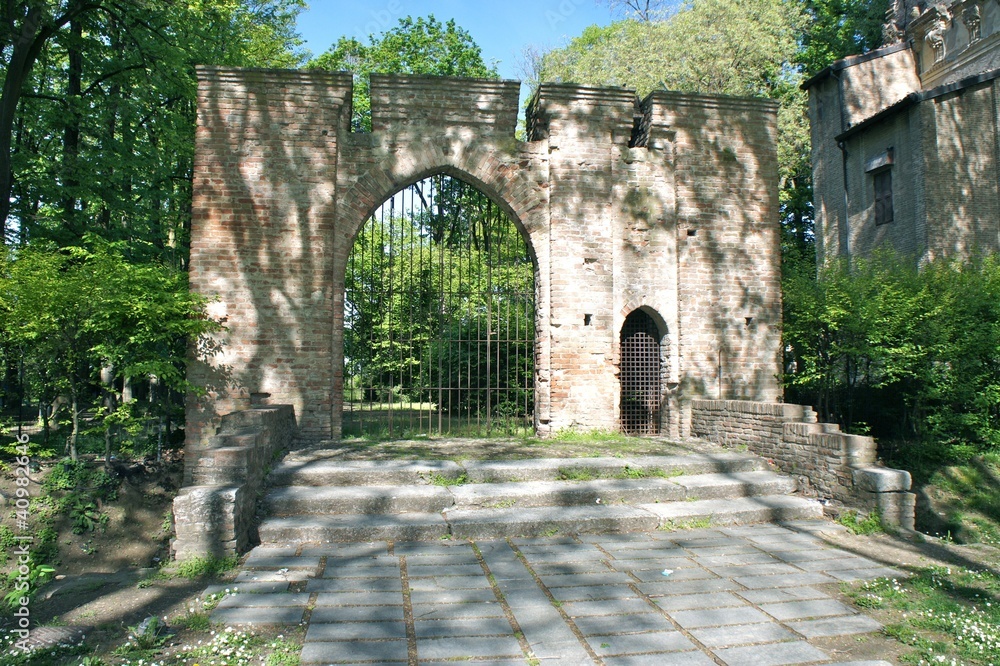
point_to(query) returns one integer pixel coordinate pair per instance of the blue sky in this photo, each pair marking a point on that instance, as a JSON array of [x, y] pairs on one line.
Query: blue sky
[[501, 28]]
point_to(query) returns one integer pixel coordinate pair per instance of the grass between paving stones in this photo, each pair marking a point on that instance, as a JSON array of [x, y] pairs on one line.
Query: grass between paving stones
[[948, 615]]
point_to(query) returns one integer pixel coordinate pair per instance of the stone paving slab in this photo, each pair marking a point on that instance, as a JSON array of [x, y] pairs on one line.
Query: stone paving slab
[[463, 647], [714, 617], [622, 644], [365, 614], [601, 624], [676, 659], [381, 652], [800, 610], [734, 596], [840, 626], [743, 634], [354, 631], [480, 626]]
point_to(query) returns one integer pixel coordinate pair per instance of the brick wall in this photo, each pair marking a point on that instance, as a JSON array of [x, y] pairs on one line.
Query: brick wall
[[669, 205], [825, 462], [216, 515]]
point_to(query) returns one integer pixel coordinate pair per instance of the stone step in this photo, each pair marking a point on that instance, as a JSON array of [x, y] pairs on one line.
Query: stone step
[[332, 472], [740, 511], [538, 521], [292, 500]]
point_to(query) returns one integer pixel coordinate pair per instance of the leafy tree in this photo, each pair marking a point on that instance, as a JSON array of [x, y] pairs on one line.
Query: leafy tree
[[97, 113], [74, 310], [905, 354], [421, 46], [839, 28]]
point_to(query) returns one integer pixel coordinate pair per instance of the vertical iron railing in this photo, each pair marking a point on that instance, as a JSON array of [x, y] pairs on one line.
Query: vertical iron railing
[[640, 375], [439, 317]]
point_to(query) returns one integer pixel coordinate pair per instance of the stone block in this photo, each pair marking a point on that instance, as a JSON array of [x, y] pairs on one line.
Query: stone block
[[881, 479]]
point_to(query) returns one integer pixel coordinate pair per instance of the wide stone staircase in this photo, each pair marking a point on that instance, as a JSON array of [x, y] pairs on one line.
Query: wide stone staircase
[[318, 497]]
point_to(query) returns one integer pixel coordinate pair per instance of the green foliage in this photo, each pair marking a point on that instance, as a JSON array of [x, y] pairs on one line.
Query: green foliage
[[67, 312], [721, 47], [37, 575], [421, 46], [104, 132], [870, 524], [839, 28], [205, 567], [443, 480], [915, 355]]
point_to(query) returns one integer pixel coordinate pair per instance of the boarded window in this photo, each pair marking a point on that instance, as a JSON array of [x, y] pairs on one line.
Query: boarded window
[[883, 197]]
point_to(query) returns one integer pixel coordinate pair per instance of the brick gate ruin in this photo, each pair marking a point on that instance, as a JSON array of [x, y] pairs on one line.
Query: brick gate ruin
[[662, 212], [668, 205]]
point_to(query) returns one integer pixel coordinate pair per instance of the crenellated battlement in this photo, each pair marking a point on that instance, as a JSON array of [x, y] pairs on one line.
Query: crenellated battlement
[[418, 103]]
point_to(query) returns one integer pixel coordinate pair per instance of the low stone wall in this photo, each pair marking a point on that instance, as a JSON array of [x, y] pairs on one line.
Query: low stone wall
[[825, 461], [216, 515]]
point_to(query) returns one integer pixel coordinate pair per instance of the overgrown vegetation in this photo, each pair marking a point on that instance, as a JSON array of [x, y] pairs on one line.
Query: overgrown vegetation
[[945, 614], [869, 523], [911, 357]]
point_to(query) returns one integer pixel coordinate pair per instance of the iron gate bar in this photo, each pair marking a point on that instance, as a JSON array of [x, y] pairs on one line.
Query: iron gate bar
[[435, 278]]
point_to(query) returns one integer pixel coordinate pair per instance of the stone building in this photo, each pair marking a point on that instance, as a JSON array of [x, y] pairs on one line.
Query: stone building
[[665, 206], [905, 138]]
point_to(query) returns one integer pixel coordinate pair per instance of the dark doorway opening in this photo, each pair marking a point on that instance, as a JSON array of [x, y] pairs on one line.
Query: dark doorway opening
[[640, 375]]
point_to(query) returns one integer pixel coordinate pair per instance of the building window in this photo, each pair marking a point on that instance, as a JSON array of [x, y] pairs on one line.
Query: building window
[[883, 197]]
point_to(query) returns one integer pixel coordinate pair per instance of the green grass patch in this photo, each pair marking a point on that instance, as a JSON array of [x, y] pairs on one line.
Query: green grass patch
[[577, 474], [571, 435], [968, 496], [871, 523], [942, 613], [444, 480], [693, 524], [205, 567]]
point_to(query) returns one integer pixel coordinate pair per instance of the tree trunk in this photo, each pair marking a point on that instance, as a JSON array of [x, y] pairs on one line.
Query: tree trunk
[[107, 383], [26, 48], [75, 414], [71, 132]]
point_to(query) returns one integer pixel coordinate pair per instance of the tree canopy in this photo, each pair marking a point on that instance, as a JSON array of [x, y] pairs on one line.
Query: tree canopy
[[415, 46]]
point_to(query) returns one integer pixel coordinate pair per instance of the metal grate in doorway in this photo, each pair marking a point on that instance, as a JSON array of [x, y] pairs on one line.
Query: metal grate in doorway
[[640, 375], [439, 317]]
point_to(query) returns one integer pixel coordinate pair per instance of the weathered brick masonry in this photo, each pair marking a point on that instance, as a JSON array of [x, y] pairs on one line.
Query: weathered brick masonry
[[669, 204], [826, 463]]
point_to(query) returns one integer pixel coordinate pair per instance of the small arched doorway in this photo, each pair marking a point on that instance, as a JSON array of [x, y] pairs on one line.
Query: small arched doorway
[[640, 375], [439, 317]]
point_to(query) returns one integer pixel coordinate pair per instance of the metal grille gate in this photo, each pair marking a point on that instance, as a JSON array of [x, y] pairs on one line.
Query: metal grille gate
[[439, 317], [640, 375]]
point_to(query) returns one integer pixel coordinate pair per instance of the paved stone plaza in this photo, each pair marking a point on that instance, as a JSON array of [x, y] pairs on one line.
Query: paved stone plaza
[[737, 596]]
